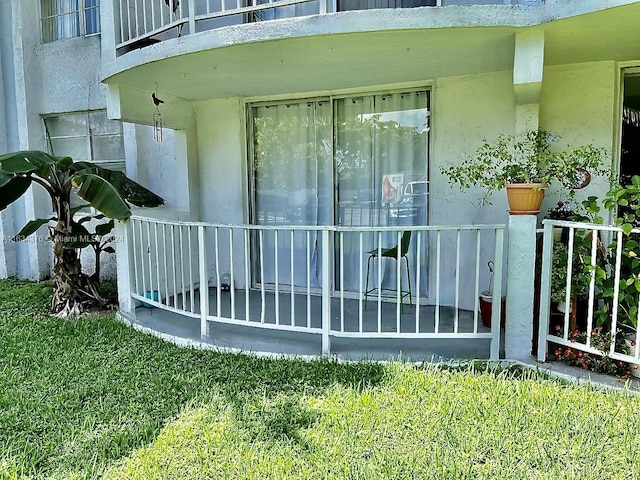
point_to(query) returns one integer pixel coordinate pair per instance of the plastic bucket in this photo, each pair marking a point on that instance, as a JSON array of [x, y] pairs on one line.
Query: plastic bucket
[[486, 304]]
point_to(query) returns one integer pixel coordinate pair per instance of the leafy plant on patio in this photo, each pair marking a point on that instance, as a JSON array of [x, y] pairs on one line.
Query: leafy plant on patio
[[110, 192], [529, 159], [624, 200]]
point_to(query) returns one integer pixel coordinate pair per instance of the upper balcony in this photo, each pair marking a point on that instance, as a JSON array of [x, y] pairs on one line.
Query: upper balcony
[[206, 49], [139, 23]]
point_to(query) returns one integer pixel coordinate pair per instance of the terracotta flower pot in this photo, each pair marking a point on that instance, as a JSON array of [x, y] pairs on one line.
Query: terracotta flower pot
[[525, 198]]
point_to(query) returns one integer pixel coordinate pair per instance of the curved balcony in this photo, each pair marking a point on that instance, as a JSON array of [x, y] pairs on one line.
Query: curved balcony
[[143, 22], [215, 49]]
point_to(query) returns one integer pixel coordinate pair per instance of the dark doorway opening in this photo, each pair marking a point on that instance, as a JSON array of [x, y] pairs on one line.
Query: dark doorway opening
[[630, 151]]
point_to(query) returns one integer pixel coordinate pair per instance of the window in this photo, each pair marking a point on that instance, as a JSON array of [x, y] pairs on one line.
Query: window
[[89, 137], [69, 18]]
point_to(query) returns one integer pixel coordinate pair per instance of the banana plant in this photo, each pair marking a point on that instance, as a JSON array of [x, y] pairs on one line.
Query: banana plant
[[108, 191]]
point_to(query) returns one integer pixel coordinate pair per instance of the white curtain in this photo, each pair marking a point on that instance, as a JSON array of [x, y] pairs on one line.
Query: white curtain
[[68, 19], [381, 163], [293, 185]]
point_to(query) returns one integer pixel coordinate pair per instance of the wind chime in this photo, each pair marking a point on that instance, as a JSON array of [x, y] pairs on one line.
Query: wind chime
[[157, 116]]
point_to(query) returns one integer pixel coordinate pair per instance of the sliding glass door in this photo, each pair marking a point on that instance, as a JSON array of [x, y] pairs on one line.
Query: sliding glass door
[[381, 169], [292, 184], [353, 161]]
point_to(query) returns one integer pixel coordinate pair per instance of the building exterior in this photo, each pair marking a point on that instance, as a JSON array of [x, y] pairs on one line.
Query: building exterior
[[330, 114]]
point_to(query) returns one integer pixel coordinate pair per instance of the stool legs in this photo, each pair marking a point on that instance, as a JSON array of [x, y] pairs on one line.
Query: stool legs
[[366, 288]]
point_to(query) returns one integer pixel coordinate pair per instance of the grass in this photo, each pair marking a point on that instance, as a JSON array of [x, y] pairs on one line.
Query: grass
[[91, 398]]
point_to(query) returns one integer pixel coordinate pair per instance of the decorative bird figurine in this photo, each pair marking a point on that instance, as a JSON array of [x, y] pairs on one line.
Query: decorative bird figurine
[[156, 100]]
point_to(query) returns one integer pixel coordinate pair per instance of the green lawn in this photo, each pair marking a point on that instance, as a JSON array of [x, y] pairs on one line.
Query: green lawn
[[92, 398]]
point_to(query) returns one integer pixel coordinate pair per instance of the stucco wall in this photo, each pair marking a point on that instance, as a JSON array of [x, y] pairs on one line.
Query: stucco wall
[[67, 75], [221, 156], [222, 171], [578, 102], [467, 109]]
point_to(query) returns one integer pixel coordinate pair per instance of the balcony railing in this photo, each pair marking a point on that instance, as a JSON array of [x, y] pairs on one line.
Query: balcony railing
[[139, 23], [593, 271], [329, 281]]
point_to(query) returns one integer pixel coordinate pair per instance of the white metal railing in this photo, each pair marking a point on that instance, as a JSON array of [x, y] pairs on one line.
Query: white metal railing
[[314, 279], [138, 20], [590, 279]]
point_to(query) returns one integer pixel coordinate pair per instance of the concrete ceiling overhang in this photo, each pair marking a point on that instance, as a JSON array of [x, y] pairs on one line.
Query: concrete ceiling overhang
[[376, 47]]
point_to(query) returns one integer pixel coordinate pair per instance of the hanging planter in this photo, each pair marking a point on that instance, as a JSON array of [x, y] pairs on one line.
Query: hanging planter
[[525, 198]]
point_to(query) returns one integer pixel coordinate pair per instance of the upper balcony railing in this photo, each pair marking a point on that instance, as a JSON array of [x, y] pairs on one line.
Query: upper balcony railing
[[139, 23]]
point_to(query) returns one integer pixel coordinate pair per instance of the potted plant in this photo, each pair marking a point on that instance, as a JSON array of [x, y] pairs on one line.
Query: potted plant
[[525, 167]]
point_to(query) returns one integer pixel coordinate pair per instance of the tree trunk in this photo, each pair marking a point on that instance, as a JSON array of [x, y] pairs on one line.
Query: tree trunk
[[73, 290]]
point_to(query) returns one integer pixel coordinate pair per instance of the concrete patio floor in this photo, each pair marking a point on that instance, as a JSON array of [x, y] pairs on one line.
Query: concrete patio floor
[[249, 338], [185, 331]]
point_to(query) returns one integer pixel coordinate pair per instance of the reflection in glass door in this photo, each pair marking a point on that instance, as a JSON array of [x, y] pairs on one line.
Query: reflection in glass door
[[381, 169], [292, 178], [364, 165]]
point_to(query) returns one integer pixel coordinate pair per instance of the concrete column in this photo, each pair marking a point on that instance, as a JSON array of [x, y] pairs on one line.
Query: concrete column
[[527, 117], [124, 257], [528, 67], [520, 286]]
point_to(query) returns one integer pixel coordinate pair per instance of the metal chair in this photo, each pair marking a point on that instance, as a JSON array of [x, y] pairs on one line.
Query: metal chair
[[391, 253]]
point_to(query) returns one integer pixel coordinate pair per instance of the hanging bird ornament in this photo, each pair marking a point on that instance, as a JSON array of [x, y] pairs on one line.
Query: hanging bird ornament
[[156, 100], [157, 116]]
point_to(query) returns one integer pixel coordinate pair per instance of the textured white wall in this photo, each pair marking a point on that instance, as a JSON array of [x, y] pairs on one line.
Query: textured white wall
[[578, 103], [222, 173]]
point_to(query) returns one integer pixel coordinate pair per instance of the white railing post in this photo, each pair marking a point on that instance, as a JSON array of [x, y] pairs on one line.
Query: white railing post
[[326, 293], [496, 305], [545, 292], [125, 267], [204, 281], [192, 17]]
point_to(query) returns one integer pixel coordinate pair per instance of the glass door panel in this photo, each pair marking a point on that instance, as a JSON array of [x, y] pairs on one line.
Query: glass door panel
[[381, 168], [292, 186]]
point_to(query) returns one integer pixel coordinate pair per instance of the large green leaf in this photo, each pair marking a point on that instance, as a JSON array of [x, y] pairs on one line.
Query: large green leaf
[[5, 178], [103, 229], [13, 190], [30, 228], [129, 190], [25, 161], [64, 163], [101, 195], [78, 238]]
